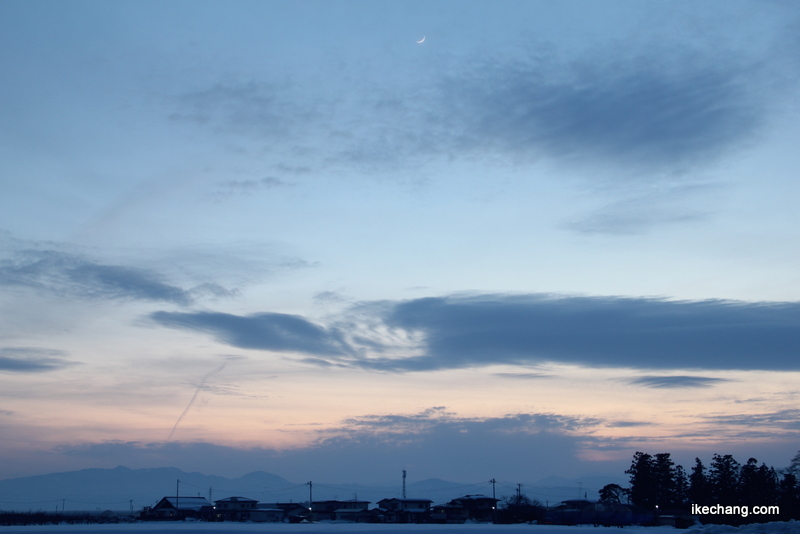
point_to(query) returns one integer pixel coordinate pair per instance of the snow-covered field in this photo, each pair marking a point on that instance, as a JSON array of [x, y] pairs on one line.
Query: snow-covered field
[[791, 527]]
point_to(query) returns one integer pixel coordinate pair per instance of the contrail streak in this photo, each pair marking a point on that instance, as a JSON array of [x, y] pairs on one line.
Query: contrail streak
[[194, 397]]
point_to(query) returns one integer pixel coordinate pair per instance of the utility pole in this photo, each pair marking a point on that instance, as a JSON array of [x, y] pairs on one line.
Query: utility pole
[[404, 483], [519, 494], [310, 498], [494, 498], [210, 492]]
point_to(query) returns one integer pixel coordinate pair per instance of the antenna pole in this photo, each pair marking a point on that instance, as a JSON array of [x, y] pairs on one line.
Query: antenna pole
[[494, 498], [404, 483]]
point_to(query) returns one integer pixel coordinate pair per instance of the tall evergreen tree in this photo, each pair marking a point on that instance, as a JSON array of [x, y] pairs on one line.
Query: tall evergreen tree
[[665, 487], [681, 488], [656, 481], [769, 483], [699, 488], [758, 485], [643, 484], [794, 467], [748, 482], [723, 477], [789, 497]]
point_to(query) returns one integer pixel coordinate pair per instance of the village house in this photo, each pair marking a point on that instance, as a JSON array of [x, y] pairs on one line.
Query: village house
[[405, 510], [292, 512], [338, 510], [450, 513], [265, 513], [569, 512], [478, 507], [234, 509], [177, 508]]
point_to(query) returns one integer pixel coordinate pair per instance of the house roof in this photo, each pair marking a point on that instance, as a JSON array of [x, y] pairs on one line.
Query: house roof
[[476, 497], [184, 503], [404, 500], [336, 501], [283, 505], [576, 503], [349, 510], [451, 504], [236, 499]]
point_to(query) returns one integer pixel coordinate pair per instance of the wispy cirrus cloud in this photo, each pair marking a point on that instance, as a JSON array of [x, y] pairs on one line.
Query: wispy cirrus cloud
[[787, 420], [525, 376], [73, 275], [264, 109], [438, 416], [32, 359], [666, 382], [643, 210], [246, 187], [264, 331], [655, 109], [663, 108], [653, 116], [628, 424]]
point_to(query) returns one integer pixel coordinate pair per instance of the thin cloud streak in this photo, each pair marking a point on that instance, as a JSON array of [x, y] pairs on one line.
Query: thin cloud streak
[[194, 397], [226, 190], [644, 211], [32, 360], [668, 382], [525, 376], [787, 420], [74, 276], [263, 331]]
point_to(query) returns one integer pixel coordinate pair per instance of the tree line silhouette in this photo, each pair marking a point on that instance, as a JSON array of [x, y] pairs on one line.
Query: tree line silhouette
[[657, 483]]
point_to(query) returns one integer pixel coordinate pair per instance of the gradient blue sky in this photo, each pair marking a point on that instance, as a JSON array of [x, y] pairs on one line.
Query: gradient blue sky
[[288, 236]]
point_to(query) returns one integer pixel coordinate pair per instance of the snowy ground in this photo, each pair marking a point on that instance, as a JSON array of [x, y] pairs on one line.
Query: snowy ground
[[791, 527]]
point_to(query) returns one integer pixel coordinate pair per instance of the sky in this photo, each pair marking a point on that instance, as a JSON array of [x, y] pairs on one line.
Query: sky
[[335, 240]]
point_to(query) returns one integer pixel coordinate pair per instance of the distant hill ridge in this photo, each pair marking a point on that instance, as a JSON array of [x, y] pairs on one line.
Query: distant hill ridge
[[121, 488]]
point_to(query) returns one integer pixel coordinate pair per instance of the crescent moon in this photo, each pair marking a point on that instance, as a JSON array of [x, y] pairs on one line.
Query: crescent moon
[[421, 40]]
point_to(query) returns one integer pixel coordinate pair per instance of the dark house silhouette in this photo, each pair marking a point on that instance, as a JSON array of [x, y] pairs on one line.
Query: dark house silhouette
[[177, 508]]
